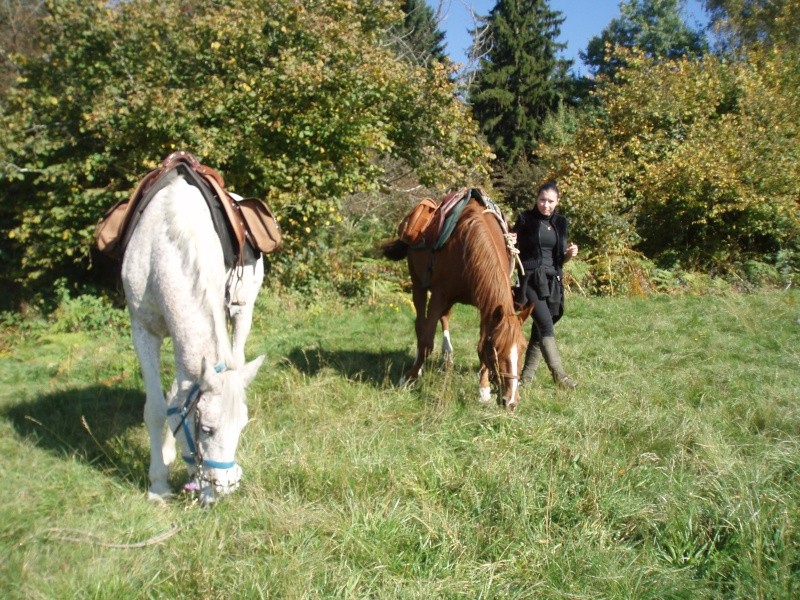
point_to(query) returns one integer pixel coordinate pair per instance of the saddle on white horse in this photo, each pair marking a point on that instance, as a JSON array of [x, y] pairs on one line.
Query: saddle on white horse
[[246, 226]]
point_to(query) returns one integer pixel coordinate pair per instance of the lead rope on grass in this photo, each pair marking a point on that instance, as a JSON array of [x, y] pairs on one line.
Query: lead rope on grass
[[86, 537]]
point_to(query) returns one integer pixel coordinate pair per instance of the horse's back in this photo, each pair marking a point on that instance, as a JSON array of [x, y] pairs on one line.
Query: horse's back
[[474, 251], [173, 245]]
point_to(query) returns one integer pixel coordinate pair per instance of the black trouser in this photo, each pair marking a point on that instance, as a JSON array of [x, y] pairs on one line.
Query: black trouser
[[542, 319]]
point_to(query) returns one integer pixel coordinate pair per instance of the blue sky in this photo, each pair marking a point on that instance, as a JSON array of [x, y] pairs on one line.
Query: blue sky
[[584, 20]]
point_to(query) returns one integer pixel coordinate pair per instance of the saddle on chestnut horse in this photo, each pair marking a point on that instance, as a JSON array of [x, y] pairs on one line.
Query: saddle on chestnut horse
[[246, 226], [429, 224]]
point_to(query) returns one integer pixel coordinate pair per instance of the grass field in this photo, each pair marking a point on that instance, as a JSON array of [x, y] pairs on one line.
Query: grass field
[[672, 472]]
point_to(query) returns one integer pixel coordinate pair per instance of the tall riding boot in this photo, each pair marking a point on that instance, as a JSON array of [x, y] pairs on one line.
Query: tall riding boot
[[532, 358], [553, 360]]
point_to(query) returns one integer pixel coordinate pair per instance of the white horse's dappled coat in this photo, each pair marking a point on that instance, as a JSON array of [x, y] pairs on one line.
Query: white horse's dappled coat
[[175, 284]]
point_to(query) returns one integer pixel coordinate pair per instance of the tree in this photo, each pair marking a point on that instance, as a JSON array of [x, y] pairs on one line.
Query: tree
[[742, 23], [692, 163], [520, 76], [293, 101], [419, 38], [655, 27], [19, 28]]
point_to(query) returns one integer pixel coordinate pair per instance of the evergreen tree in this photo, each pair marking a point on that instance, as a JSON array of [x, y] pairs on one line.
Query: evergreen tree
[[654, 26], [520, 77], [419, 39]]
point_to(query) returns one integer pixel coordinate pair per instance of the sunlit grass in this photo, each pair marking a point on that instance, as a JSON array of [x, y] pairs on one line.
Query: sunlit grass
[[672, 472]]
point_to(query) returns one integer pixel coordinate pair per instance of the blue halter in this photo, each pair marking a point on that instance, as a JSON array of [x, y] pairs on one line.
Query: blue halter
[[184, 410]]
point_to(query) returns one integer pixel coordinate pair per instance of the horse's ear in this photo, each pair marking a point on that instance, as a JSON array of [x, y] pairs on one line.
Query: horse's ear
[[497, 314], [525, 312], [250, 370]]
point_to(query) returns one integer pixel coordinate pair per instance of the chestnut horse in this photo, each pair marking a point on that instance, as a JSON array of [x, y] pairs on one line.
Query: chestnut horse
[[473, 267]]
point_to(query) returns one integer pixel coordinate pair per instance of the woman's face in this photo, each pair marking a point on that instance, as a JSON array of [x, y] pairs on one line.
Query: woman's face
[[547, 202]]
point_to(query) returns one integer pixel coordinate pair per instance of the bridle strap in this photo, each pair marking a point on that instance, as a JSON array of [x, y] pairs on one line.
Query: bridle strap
[[507, 375], [192, 398], [189, 405], [219, 465]]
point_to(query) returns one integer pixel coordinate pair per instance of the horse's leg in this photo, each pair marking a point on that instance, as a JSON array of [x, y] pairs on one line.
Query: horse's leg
[[243, 295], [447, 344], [425, 333], [168, 451], [484, 385], [148, 349]]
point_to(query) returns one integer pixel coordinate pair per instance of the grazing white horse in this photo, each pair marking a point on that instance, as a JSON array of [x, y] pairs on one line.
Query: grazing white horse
[[176, 284]]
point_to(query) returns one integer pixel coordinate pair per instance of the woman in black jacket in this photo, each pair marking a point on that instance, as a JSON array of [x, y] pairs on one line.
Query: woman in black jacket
[[541, 235]]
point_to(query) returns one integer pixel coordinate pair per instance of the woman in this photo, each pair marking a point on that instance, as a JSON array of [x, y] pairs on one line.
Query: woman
[[541, 235]]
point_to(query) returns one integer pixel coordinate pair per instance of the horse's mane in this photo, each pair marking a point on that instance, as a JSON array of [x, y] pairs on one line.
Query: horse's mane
[[233, 399], [488, 268], [188, 227]]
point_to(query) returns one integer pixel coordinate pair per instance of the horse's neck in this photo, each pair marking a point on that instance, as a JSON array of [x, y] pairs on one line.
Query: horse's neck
[[201, 296], [486, 261]]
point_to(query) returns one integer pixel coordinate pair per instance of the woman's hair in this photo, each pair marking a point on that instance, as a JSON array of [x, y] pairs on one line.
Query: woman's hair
[[548, 185]]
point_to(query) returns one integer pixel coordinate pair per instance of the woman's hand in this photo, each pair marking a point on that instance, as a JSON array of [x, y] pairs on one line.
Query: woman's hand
[[572, 251]]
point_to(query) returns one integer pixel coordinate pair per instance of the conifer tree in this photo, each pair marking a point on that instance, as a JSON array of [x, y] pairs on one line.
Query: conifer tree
[[520, 77], [653, 26], [419, 39]]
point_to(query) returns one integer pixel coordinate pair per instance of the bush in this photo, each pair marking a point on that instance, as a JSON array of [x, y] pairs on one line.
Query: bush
[[88, 313]]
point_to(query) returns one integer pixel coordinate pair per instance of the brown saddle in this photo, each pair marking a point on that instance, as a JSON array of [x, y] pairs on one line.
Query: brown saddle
[[249, 222], [425, 223]]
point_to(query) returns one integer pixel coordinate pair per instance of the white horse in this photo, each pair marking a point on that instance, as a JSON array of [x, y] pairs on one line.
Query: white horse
[[176, 284]]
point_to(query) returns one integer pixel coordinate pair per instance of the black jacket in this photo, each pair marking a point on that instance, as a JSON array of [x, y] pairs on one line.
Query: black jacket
[[530, 250]]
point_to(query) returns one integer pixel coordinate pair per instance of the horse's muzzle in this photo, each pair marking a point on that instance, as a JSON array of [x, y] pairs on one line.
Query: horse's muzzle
[[213, 484]]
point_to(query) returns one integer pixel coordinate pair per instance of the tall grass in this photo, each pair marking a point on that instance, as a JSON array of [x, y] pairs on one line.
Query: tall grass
[[672, 472]]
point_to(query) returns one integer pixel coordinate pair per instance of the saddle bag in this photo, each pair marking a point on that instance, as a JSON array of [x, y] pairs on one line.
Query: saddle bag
[[262, 226], [109, 230], [412, 228]]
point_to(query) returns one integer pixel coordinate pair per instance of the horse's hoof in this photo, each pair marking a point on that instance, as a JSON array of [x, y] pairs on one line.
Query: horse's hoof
[[407, 382], [158, 498], [485, 395]]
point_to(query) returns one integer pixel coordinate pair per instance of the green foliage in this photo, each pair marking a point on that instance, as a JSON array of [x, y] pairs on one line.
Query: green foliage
[[739, 24], [294, 102], [655, 27], [692, 163], [519, 79], [88, 313]]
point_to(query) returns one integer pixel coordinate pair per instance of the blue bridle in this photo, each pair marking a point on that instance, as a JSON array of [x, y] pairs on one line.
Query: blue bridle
[[184, 410]]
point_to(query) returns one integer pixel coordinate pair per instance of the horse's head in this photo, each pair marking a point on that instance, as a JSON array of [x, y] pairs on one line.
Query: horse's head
[[501, 349], [207, 420]]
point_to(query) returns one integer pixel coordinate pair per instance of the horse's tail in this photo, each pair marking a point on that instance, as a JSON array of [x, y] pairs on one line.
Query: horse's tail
[[395, 249]]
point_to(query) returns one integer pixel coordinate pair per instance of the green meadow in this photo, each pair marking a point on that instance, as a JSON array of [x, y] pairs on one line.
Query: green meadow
[[673, 471]]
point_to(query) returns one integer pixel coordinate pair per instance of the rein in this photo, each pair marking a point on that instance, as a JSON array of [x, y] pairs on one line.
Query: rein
[[190, 404], [511, 248]]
